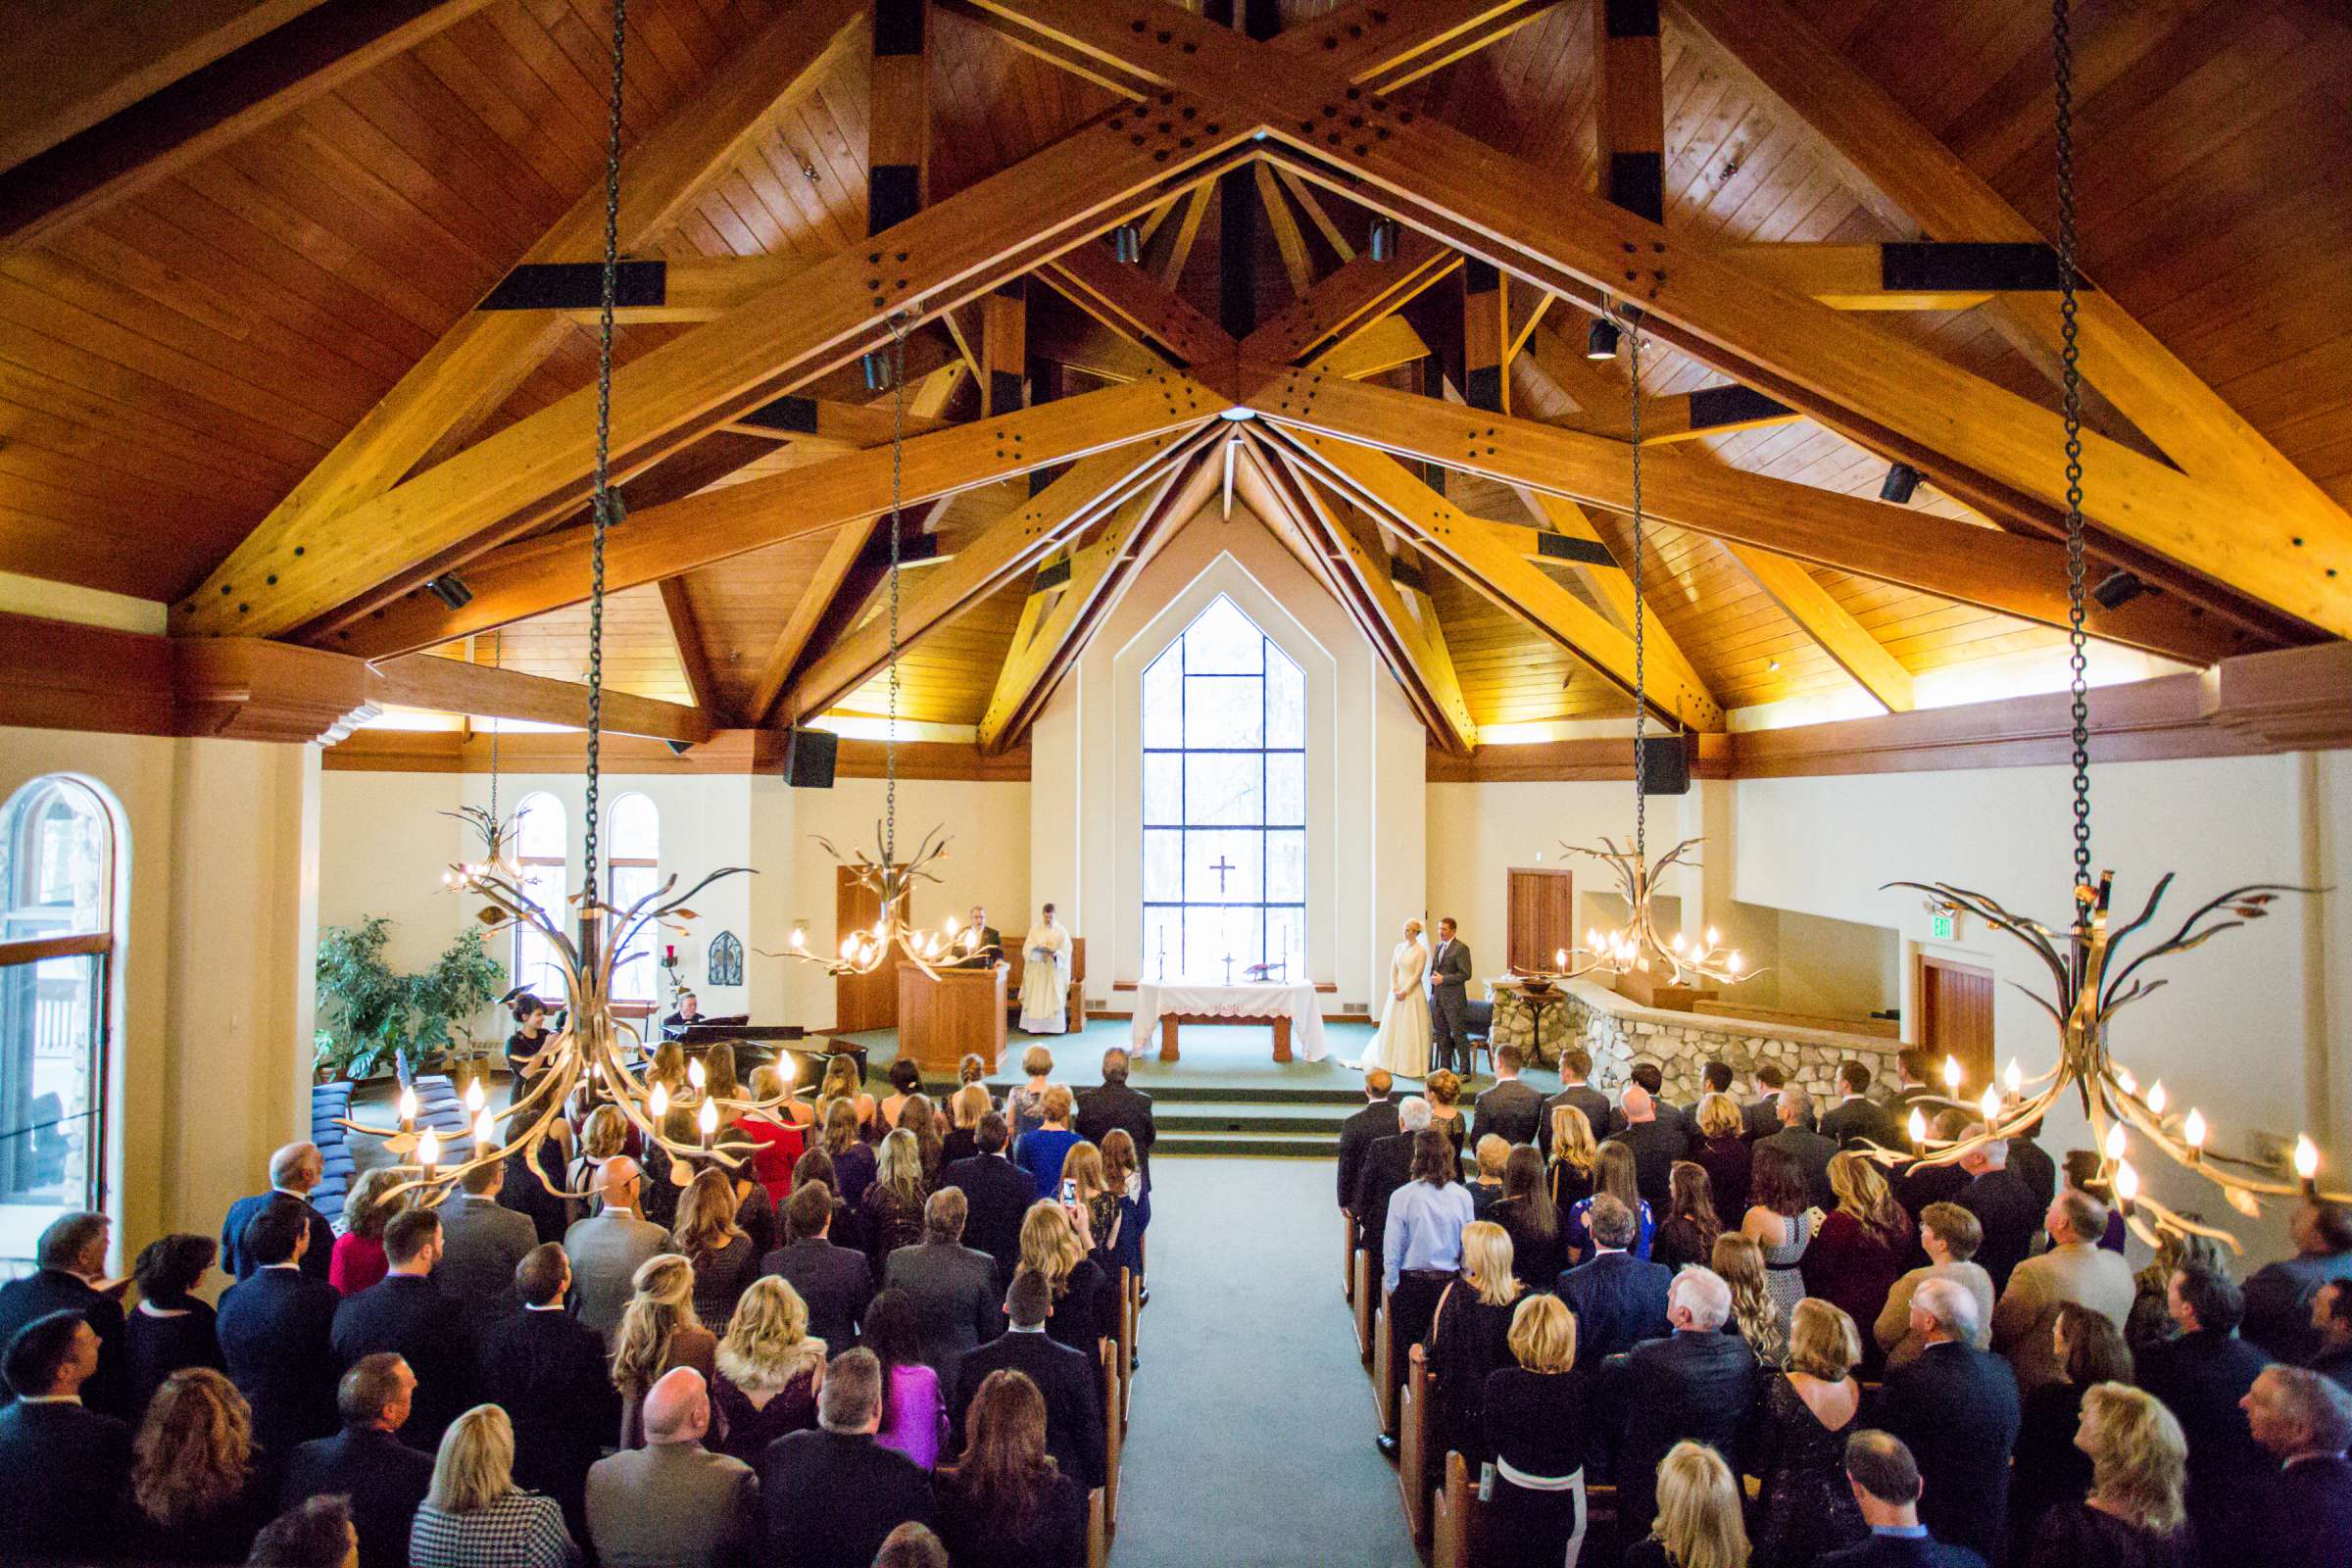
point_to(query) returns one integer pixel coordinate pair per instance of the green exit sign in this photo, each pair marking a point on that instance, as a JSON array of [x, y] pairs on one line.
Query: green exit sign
[[1940, 925]]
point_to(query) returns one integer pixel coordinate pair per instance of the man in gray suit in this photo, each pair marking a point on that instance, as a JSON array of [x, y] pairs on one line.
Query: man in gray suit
[[483, 1241], [1449, 1000], [607, 1247], [673, 1504], [954, 1287]]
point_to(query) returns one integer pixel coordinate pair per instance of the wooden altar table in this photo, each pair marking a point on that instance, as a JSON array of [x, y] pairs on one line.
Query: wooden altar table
[[1285, 1006]]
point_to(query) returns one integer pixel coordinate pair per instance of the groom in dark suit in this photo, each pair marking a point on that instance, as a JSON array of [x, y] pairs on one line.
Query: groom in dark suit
[[1449, 1001]]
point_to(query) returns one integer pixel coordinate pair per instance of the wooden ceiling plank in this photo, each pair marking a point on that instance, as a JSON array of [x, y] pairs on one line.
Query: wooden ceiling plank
[[1613, 587], [480, 690], [1829, 623], [694, 654], [1289, 242], [998, 228], [2016, 574], [1126, 300], [1888, 151], [151, 120], [486, 355], [816, 597], [898, 127], [534, 575], [1014, 543]]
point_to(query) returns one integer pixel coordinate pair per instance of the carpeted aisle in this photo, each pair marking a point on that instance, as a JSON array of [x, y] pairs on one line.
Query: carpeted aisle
[[1251, 1440]]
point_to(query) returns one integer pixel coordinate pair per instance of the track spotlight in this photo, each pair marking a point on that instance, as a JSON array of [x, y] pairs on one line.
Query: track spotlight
[[1384, 239], [877, 370], [1600, 339], [1901, 480], [2117, 589], [450, 590], [1127, 244]]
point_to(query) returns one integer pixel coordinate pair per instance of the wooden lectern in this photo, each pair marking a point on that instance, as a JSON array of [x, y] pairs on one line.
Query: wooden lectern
[[941, 1018]]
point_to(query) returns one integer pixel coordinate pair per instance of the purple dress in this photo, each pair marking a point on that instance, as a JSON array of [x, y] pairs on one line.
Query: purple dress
[[912, 1414]]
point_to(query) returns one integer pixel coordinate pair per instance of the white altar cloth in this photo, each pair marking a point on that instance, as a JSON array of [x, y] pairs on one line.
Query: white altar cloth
[[1241, 1004]]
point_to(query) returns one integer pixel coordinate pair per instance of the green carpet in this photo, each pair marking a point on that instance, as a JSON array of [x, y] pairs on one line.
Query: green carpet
[[1252, 1439]]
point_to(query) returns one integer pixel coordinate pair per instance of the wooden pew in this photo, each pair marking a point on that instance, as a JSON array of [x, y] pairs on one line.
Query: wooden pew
[[1453, 1521], [1097, 1532], [1127, 1314], [1384, 1371], [1348, 1255], [1362, 1297], [1115, 1432], [1416, 1433]]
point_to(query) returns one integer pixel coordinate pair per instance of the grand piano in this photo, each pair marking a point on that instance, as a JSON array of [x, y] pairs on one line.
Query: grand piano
[[769, 1040]]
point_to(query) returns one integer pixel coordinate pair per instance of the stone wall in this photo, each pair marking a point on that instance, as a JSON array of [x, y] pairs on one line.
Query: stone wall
[[1621, 1035]]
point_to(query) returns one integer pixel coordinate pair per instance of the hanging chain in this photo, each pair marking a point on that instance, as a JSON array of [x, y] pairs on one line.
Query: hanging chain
[[498, 835], [2070, 361], [1641, 616], [607, 506], [897, 474]]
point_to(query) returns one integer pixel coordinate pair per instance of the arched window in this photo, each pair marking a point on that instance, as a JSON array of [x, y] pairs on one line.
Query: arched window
[[542, 844], [1224, 805], [633, 868], [57, 905]]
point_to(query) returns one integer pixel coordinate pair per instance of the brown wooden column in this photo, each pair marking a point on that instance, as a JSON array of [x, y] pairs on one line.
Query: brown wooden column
[[1485, 338], [1631, 106], [898, 137]]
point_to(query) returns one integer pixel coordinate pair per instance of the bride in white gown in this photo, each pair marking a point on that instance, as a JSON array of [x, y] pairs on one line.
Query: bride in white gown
[[1402, 1044]]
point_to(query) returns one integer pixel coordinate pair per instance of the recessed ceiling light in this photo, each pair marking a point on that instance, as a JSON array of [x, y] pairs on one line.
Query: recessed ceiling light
[[1774, 664]]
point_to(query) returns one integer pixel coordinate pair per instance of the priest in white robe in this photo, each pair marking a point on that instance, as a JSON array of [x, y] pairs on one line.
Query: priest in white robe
[[1045, 976]]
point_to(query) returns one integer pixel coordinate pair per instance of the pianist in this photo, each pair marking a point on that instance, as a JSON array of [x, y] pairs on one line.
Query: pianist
[[689, 1013]]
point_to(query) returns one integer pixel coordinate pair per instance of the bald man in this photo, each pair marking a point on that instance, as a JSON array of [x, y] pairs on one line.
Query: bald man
[[1655, 1142], [607, 1247], [673, 1504], [295, 1171]]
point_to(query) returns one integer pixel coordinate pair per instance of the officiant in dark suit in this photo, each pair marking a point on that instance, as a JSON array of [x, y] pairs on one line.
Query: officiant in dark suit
[[988, 947], [1449, 1001]]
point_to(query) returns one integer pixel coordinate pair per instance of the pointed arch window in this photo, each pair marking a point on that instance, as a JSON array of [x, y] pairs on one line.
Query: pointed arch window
[[1224, 804], [542, 842], [58, 862], [634, 833]]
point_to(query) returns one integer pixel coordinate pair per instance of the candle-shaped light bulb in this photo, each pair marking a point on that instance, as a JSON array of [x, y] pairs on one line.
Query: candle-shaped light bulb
[[429, 1149], [2126, 1181], [2193, 1130], [2156, 1098], [799, 938], [2014, 1077], [1951, 1075], [1991, 1105], [1917, 1127], [408, 1107], [1735, 964], [882, 928], [848, 947], [2116, 1142], [2307, 1157], [1559, 958], [1712, 939], [953, 927], [1591, 939], [1678, 941], [709, 1121], [697, 1074], [2126, 1082], [485, 1132], [474, 1098], [656, 1103]]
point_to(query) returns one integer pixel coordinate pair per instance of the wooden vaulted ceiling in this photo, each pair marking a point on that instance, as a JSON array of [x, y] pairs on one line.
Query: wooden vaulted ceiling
[[229, 253]]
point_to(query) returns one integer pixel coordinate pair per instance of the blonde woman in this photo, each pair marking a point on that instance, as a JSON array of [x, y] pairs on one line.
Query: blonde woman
[[2138, 1467], [1534, 1430], [723, 1256], [1698, 1523], [841, 1082], [1798, 1431], [604, 1136], [1054, 1243], [1722, 1151], [1861, 1248], [668, 1070], [1485, 1187], [193, 1492], [770, 1370], [853, 1156], [358, 1260], [1575, 1153], [658, 1331], [1469, 1338], [1756, 1315], [1401, 1045], [966, 1106], [474, 1517], [892, 1213], [1025, 1103]]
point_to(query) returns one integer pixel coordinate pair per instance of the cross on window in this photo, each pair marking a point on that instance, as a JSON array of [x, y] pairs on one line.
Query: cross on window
[[1221, 865]]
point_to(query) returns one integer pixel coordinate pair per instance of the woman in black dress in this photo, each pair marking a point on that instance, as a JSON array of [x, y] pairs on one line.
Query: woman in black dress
[[1698, 1523], [1722, 1147], [1574, 1155], [1469, 1338], [2049, 1470], [198, 1492], [1535, 1420], [891, 1212], [1527, 1212], [1686, 1235], [769, 1371], [2133, 1516], [1805, 1507], [1007, 1504], [530, 1037], [170, 1327]]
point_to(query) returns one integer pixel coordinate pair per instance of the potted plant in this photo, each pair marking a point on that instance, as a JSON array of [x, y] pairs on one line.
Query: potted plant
[[371, 1018]]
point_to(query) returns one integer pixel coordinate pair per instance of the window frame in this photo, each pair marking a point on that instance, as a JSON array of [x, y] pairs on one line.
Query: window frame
[[631, 1007], [523, 931]]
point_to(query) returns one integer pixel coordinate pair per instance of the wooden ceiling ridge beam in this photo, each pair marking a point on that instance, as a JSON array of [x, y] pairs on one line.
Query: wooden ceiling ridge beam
[[1350, 300], [1884, 150], [131, 133], [1008, 548], [482, 690], [485, 355], [531, 576], [2014, 573], [997, 228]]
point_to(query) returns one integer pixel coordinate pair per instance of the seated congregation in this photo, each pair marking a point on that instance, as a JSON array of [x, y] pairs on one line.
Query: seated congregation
[[858, 1330], [1725, 1334]]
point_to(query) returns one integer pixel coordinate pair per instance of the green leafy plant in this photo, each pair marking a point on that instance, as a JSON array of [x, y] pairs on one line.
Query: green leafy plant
[[371, 1016]]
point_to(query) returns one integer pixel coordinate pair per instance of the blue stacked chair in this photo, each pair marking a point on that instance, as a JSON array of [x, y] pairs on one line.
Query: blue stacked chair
[[328, 1104]]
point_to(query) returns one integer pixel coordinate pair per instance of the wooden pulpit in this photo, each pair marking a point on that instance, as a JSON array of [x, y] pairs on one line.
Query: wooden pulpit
[[945, 1015]]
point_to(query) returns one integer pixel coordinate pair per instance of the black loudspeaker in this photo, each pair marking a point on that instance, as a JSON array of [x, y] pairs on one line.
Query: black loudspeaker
[[808, 759], [1666, 761]]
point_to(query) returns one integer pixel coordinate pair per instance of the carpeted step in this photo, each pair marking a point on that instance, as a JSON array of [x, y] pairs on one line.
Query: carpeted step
[[1275, 1143], [1251, 1116]]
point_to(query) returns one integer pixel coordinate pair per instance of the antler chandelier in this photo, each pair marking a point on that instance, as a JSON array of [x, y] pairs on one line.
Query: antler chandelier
[[2087, 987]]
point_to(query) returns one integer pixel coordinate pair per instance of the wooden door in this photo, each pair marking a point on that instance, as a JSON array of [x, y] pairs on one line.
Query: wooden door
[[860, 1001], [1542, 916], [1955, 1015]]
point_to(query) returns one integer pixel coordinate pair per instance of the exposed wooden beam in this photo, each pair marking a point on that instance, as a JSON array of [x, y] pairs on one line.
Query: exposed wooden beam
[[898, 132], [1831, 625], [1188, 229], [1310, 202], [1349, 300], [486, 355], [1856, 277], [150, 120], [2016, 574], [694, 655], [454, 686], [1382, 346], [1289, 242], [1611, 585], [1013, 544], [825, 424], [817, 593], [1126, 300], [534, 575], [1630, 116], [1004, 349], [999, 227], [1599, 393], [1884, 150], [1485, 338]]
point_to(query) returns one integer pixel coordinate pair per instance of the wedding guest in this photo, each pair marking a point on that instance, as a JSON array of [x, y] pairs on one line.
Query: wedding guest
[[725, 1259], [1858, 1255], [2050, 1469], [1006, 1504], [965, 1108], [1614, 1173], [778, 1136], [1054, 1243], [1723, 1152], [2134, 1514], [1527, 1213], [359, 1260], [659, 1332], [913, 1410], [1780, 1220], [2151, 1320], [1469, 1337], [1686, 1235], [1535, 1417], [1949, 1235], [769, 1370], [548, 1371], [2304, 1423], [198, 1492], [295, 1172], [475, 1516], [1697, 1523], [2278, 1294], [382, 1479], [674, 1503], [1025, 1102], [1797, 1442], [1755, 1316], [1570, 1166], [172, 1326]]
